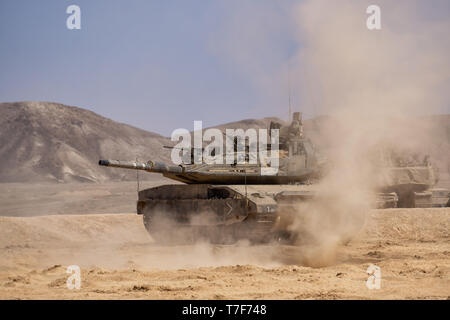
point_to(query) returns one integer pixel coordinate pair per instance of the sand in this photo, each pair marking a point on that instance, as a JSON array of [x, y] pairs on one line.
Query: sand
[[119, 260]]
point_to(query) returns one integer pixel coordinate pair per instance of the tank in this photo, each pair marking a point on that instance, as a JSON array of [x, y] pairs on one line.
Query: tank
[[224, 203], [407, 176]]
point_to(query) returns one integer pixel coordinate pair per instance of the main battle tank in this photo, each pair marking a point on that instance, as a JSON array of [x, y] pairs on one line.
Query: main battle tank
[[407, 176], [228, 202]]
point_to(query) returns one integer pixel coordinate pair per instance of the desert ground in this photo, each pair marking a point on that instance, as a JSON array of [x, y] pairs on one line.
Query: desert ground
[[44, 228]]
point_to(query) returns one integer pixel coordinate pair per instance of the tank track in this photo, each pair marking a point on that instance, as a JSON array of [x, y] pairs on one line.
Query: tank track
[[255, 228]]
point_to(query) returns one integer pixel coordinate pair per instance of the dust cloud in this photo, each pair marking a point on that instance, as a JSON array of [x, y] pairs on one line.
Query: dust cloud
[[371, 83], [116, 241]]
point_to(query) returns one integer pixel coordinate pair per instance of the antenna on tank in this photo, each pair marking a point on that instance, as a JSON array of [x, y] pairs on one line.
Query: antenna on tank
[[137, 178], [289, 92], [246, 197]]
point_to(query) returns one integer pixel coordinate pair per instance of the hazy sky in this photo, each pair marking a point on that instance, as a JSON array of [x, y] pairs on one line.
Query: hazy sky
[[159, 65]]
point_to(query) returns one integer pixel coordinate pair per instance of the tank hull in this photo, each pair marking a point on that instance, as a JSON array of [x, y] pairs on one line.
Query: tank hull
[[221, 213], [411, 185]]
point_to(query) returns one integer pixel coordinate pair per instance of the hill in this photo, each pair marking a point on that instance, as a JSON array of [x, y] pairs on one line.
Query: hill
[[43, 141]]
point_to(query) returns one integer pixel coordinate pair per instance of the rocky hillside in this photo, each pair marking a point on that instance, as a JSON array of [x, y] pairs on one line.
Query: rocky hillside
[[41, 141]]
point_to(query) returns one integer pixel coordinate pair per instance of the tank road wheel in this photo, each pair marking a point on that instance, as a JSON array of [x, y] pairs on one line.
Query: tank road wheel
[[215, 234], [406, 199], [256, 229], [165, 230], [223, 234]]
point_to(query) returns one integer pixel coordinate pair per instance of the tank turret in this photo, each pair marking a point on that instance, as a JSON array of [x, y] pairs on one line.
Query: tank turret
[[298, 163]]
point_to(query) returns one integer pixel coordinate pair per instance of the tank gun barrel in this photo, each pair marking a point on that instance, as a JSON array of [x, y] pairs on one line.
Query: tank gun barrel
[[150, 166]]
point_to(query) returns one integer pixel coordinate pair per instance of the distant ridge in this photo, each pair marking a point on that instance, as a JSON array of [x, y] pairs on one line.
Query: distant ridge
[[45, 141]]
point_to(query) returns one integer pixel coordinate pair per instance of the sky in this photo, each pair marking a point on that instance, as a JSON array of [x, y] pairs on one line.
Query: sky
[[160, 65]]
